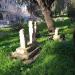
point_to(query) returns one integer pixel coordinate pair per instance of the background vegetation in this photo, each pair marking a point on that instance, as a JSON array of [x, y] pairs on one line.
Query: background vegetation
[[56, 58]]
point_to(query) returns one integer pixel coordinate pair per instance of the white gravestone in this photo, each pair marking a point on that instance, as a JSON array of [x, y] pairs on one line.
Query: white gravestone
[[34, 30], [23, 42], [56, 36], [31, 32], [35, 26], [56, 31]]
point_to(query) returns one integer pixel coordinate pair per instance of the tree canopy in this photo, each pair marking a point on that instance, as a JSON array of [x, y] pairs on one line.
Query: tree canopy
[[45, 7]]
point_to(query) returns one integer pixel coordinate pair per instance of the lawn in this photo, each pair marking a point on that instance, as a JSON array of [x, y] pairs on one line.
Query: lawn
[[56, 58]]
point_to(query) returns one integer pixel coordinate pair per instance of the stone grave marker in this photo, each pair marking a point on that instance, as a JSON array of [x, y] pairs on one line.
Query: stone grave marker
[[56, 31], [27, 53], [32, 31], [56, 36], [23, 41], [20, 51], [35, 26]]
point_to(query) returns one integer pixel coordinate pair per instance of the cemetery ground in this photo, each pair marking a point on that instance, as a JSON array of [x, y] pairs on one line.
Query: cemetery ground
[[56, 58]]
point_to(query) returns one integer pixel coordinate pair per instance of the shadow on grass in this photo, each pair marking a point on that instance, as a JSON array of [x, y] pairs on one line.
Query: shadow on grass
[[56, 58], [42, 29], [15, 69], [63, 63], [63, 23], [8, 36]]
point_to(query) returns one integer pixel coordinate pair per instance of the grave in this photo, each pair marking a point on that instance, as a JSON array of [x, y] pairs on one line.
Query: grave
[[27, 52], [56, 36], [35, 26], [32, 31], [20, 52], [23, 42]]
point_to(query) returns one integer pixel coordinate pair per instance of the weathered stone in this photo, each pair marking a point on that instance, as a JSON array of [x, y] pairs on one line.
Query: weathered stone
[[25, 52], [32, 31], [56, 31], [21, 52], [35, 26], [56, 36], [23, 41]]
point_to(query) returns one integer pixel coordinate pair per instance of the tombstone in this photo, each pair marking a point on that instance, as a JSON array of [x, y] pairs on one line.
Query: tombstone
[[23, 42], [56, 31], [34, 30], [27, 53], [31, 32], [35, 26], [56, 36], [20, 51]]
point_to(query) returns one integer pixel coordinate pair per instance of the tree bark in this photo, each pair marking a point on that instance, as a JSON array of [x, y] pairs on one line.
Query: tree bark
[[48, 19], [47, 15]]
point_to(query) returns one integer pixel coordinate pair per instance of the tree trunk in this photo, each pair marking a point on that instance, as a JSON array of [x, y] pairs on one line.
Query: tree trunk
[[47, 15], [48, 19]]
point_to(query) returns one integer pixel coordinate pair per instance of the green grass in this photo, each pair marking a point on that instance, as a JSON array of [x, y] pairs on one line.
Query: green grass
[[56, 58]]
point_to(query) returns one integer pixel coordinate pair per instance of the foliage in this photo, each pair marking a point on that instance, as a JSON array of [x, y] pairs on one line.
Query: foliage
[[56, 58]]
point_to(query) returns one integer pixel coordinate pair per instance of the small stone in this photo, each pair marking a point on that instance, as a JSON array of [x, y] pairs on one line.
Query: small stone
[[56, 37], [20, 50]]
